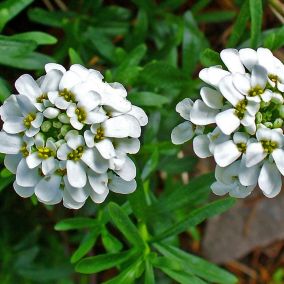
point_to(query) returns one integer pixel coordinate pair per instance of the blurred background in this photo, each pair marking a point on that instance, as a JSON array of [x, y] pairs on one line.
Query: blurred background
[[155, 49]]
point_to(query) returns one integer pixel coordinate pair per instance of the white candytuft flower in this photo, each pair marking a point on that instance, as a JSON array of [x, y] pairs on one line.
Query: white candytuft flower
[[246, 103], [68, 134]]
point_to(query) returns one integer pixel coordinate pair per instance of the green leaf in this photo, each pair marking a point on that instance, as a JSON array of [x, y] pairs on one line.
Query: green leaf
[[199, 5], [149, 277], [215, 16], [255, 7], [75, 224], [4, 90], [11, 8], [210, 57], [125, 225], [86, 244], [75, 57], [129, 274], [188, 195], [182, 277], [110, 242], [196, 217], [40, 38], [31, 61], [102, 262], [4, 182], [150, 165], [197, 265], [275, 39], [162, 75], [239, 26], [14, 47], [193, 43], [174, 165], [176, 270], [148, 99], [49, 18], [128, 70]]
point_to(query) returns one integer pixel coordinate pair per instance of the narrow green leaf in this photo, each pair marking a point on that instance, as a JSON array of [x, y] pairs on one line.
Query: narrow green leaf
[[255, 7], [150, 165], [199, 5], [75, 57], [11, 8], [197, 265], [215, 16], [239, 26], [162, 75], [193, 43], [174, 165], [129, 274], [148, 99], [196, 217], [31, 61], [275, 39], [75, 224], [4, 182], [110, 242], [125, 225], [40, 38], [149, 277], [210, 57], [188, 195], [86, 244], [4, 90], [102, 262], [15, 47], [176, 270]]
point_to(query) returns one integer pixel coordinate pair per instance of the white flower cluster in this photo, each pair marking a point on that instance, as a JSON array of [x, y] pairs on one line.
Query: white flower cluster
[[67, 136], [245, 102]]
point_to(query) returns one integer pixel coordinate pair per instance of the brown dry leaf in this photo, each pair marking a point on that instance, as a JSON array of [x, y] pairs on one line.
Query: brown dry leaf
[[251, 223]]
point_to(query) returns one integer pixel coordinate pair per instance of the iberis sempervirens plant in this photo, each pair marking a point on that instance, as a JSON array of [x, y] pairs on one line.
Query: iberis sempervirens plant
[[68, 134], [239, 121]]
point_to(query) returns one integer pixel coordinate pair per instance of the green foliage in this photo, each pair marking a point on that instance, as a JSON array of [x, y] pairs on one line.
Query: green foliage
[[156, 52]]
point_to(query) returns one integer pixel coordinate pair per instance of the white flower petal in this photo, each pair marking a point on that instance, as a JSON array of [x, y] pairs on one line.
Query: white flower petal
[[213, 75], [211, 98], [27, 86], [121, 127], [63, 151], [229, 91], [232, 60], [69, 202], [10, 144], [254, 154], [278, 156], [51, 112], [201, 114], [25, 105], [79, 195], [69, 80], [74, 140], [226, 153], [105, 148], [49, 165], [48, 188], [14, 125], [25, 176], [184, 107], [11, 162], [241, 83], [220, 188], [248, 176], [259, 76], [128, 171], [127, 145], [122, 186], [201, 146], [248, 57], [53, 66], [98, 182], [33, 160], [23, 191], [182, 133], [95, 161], [139, 114], [269, 180], [227, 121], [76, 173]]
